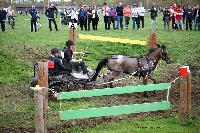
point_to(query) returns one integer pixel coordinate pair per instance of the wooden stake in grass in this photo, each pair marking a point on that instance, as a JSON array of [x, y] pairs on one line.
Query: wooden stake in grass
[[40, 97], [189, 93]]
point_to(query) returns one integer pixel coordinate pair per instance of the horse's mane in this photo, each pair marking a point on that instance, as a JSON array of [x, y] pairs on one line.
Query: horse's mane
[[163, 46]]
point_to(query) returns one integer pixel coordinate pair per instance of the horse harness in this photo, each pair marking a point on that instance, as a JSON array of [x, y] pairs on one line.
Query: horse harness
[[145, 65]]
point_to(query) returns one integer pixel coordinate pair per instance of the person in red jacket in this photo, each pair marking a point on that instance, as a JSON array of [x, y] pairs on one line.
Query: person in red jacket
[[179, 17], [127, 15]]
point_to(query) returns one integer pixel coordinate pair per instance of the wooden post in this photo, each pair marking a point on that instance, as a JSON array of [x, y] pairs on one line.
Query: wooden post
[[40, 97], [189, 93], [72, 37], [183, 98]]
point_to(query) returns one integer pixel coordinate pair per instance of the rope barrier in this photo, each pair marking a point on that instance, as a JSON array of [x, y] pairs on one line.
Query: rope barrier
[[175, 80], [128, 77], [169, 88]]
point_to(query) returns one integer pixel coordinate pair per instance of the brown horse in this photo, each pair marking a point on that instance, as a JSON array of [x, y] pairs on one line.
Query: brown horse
[[139, 66]]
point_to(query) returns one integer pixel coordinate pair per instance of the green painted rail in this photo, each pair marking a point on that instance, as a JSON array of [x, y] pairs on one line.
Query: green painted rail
[[114, 110], [113, 91]]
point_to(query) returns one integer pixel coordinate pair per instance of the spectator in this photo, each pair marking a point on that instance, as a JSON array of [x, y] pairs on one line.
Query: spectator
[[119, 11], [197, 18], [74, 16], [83, 18], [95, 18], [127, 14], [50, 14], [134, 12], [184, 14], [34, 15], [141, 12], [106, 15], [10, 14], [154, 16], [89, 17], [179, 17], [112, 17], [166, 18], [2, 18], [172, 16], [189, 17]]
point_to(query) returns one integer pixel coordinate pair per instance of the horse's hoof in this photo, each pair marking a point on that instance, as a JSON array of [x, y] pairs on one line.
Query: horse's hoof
[[146, 95]]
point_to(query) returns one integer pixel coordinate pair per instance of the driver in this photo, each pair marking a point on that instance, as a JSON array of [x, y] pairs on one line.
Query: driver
[[68, 53], [55, 67]]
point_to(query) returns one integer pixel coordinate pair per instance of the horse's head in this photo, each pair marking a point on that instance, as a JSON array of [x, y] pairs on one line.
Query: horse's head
[[165, 55]]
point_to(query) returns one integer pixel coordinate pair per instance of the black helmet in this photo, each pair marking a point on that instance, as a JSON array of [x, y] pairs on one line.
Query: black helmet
[[54, 50], [69, 43]]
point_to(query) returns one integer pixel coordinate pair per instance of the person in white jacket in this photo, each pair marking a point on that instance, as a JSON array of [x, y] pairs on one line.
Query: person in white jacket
[[134, 13], [141, 12]]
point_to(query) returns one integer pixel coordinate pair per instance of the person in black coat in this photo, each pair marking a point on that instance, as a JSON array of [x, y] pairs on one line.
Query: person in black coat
[[50, 14], [197, 18], [166, 18], [189, 17], [2, 18]]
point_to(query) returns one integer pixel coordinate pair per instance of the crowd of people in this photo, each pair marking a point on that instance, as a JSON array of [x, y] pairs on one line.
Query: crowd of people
[[119, 17], [176, 14]]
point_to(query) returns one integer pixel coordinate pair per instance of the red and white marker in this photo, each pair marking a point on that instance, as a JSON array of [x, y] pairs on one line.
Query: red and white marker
[[184, 70]]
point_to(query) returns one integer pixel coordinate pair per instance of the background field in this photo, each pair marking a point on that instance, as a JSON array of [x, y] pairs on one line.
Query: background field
[[20, 49]]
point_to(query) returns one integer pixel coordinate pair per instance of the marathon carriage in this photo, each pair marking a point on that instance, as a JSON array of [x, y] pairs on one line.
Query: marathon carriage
[[71, 79]]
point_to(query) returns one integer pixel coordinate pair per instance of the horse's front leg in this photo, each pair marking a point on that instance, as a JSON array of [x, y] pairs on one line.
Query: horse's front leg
[[145, 76], [152, 78], [154, 81]]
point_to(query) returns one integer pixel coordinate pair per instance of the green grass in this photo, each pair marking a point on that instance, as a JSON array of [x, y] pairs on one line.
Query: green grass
[[20, 49], [149, 124]]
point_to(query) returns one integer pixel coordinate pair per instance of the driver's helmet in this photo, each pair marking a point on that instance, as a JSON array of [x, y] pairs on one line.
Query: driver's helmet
[[69, 43], [54, 50]]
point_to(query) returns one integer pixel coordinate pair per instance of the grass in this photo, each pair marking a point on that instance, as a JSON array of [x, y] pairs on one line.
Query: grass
[[149, 124], [20, 49]]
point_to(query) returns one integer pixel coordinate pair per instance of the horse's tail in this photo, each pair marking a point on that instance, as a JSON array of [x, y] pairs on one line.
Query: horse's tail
[[101, 64]]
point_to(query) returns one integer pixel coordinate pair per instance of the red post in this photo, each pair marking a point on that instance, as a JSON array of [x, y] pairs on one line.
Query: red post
[[185, 93], [72, 37]]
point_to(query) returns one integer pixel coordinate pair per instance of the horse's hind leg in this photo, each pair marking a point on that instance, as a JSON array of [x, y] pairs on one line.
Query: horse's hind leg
[[110, 77]]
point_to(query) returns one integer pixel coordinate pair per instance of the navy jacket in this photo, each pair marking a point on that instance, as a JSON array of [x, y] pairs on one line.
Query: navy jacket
[[33, 13], [2, 15], [50, 12], [119, 10], [189, 14]]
